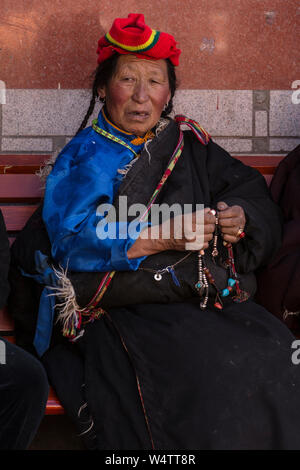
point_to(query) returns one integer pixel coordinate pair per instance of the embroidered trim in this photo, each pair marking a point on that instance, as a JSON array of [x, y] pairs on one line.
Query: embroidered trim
[[200, 133], [111, 137]]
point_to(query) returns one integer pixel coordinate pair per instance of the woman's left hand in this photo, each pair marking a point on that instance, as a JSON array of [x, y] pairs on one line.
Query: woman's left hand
[[231, 221]]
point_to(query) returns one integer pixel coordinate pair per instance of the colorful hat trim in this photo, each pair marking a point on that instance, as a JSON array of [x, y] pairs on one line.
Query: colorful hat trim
[[140, 48]]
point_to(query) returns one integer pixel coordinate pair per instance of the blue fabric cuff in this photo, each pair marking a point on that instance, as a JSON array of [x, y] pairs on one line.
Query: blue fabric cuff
[[119, 259]]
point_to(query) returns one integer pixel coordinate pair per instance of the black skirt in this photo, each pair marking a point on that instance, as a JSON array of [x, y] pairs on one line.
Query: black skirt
[[175, 377]]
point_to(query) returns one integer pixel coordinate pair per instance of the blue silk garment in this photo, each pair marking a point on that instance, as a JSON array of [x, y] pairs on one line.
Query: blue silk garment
[[84, 176]]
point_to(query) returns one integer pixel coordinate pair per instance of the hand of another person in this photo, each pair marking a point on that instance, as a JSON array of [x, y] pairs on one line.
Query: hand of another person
[[232, 221]]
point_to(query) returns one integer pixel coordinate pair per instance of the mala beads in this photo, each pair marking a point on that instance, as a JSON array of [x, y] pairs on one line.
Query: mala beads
[[228, 289], [215, 252], [241, 295], [202, 283], [205, 277]]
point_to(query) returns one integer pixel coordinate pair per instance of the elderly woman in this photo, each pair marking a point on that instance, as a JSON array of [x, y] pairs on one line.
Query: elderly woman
[[168, 350]]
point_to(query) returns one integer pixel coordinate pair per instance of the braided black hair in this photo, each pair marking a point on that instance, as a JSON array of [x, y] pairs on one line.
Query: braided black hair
[[103, 74], [173, 87]]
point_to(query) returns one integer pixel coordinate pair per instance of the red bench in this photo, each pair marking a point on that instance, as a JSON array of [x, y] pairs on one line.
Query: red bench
[[20, 193]]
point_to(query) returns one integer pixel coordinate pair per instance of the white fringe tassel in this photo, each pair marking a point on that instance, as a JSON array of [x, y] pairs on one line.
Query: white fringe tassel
[[68, 306], [124, 171], [46, 169]]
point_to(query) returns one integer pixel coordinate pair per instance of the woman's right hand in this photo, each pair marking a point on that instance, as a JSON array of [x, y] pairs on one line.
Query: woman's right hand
[[182, 233], [191, 231]]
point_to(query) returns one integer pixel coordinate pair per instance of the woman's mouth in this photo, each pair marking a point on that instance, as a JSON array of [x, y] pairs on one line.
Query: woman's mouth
[[139, 115]]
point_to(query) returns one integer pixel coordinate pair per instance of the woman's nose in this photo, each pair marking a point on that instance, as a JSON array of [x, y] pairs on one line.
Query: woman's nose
[[140, 94]]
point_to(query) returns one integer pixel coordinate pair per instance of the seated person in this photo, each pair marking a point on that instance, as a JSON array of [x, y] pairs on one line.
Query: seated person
[[278, 282], [23, 381], [155, 342]]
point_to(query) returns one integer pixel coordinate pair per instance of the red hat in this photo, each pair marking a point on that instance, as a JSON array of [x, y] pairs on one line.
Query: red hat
[[132, 36]]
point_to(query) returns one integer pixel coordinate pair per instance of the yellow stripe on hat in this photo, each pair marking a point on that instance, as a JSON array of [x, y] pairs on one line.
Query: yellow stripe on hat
[[153, 38]]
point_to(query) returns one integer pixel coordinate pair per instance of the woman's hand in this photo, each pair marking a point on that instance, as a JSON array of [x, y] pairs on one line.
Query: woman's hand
[[232, 221], [191, 231], [182, 233]]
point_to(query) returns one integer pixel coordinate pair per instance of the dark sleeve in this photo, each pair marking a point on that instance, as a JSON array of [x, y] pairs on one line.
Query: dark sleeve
[[4, 262], [237, 184]]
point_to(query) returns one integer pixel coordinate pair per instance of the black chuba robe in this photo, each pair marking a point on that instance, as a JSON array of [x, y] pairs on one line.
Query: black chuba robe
[[156, 371]]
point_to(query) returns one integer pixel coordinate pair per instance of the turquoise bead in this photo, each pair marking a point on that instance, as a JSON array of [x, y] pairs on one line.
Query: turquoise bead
[[231, 282], [225, 292]]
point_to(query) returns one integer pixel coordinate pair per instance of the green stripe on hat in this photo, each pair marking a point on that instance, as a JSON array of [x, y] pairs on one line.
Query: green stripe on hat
[[154, 37]]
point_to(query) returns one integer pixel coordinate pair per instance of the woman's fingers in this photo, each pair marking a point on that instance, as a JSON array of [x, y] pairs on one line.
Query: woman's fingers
[[231, 221], [237, 220], [229, 216], [230, 238], [193, 231], [209, 225], [201, 229]]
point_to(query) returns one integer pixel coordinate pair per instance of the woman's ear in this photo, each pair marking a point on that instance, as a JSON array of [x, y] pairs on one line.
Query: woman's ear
[[101, 92]]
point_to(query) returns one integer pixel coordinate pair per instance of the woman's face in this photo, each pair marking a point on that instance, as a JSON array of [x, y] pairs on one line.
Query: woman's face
[[137, 93]]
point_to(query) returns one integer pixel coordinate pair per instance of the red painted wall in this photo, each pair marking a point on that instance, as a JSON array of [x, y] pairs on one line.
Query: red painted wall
[[237, 44]]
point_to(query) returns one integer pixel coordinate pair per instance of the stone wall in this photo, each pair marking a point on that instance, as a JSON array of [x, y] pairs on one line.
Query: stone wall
[[241, 121]]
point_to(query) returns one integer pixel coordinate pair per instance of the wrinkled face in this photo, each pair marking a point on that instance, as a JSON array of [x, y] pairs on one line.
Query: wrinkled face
[[137, 93]]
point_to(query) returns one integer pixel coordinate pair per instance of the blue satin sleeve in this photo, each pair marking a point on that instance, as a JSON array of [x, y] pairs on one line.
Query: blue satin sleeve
[[79, 183]]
